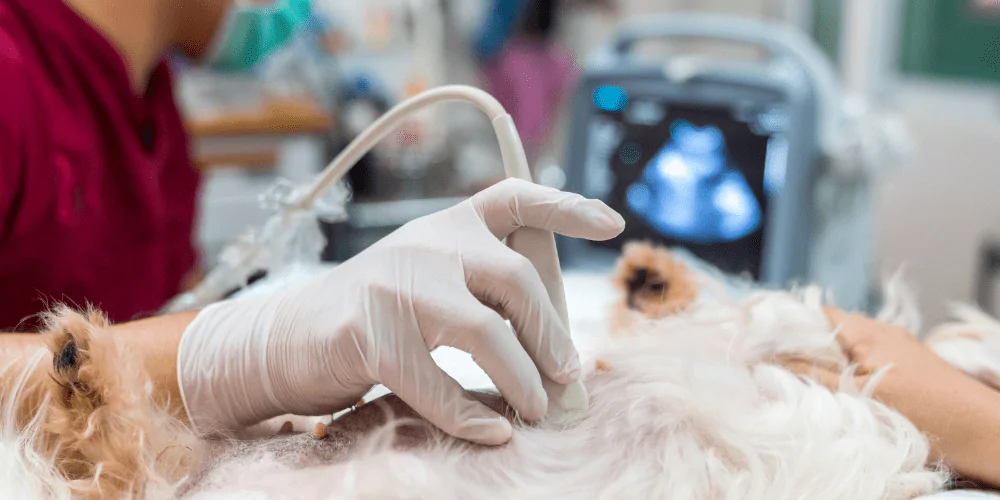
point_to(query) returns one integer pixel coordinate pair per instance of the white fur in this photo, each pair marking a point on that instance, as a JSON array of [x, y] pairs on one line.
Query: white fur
[[971, 343], [24, 473], [690, 409], [899, 306]]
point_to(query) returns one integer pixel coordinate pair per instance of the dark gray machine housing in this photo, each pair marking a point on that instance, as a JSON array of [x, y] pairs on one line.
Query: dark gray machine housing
[[782, 83]]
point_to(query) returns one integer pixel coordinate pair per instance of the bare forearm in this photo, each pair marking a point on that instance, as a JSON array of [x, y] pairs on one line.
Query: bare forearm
[[970, 448], [157, 340], [960, 416]]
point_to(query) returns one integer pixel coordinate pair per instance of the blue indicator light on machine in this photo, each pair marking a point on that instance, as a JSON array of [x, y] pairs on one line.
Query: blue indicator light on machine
[[610, 98], [688, 192]]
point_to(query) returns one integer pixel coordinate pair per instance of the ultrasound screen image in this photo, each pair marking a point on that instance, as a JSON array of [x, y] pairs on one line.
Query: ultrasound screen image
[[690, 176]]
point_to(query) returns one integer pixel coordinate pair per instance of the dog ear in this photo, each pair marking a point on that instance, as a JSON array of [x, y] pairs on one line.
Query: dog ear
[[652, 281], [106, 433]]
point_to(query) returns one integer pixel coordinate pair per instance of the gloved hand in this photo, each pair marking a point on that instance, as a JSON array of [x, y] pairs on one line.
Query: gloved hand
[[317, 348]]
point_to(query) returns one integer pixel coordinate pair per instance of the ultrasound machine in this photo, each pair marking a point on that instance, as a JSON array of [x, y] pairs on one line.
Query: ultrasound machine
[[719, 158]]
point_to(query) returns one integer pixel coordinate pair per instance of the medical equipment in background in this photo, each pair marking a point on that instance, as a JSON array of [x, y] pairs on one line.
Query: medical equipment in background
[[359, 101], [291, 239], [397, 50], [754, 167]]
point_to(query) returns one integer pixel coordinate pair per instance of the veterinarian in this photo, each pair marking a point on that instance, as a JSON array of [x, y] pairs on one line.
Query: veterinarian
[[97, 197]]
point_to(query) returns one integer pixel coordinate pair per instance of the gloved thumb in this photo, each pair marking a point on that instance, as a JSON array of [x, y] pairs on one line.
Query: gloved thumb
[[515, 203]]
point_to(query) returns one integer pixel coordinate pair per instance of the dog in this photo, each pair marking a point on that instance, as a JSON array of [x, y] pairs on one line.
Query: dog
[[686, 402]]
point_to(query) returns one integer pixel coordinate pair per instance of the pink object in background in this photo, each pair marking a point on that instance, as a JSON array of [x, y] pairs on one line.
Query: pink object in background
[[530, 78]]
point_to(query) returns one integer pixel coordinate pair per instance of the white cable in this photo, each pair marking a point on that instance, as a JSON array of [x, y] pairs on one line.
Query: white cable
[[538, 246], [566, 403], [365, 141]]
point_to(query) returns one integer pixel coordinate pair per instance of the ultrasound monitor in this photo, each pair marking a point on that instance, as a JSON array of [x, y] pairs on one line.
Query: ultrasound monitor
[[701, 164], [690, 175]]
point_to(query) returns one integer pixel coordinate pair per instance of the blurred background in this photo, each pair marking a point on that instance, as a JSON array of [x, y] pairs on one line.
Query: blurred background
[[827, 141]]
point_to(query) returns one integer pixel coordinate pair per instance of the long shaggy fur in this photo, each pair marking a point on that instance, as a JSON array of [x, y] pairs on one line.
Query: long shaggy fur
[[687, 407], [26, 470], [104, 433], [690, 405], [971, 342]]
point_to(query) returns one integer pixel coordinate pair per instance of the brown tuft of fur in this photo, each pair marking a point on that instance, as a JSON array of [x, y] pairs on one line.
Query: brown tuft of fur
[[652, 282], [108, 436]]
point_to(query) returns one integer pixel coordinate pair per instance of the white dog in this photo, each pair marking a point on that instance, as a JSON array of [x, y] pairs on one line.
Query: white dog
[[684, 406]]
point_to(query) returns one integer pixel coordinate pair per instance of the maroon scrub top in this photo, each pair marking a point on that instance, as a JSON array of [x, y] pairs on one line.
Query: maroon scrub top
[[97, 189]]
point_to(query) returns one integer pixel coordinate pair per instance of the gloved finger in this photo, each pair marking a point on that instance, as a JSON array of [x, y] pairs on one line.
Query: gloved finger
[[506, 280], [481, 332], [514, 203], [433, 394]]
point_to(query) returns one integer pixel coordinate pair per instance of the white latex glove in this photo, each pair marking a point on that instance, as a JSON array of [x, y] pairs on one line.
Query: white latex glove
[[317, 348]]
